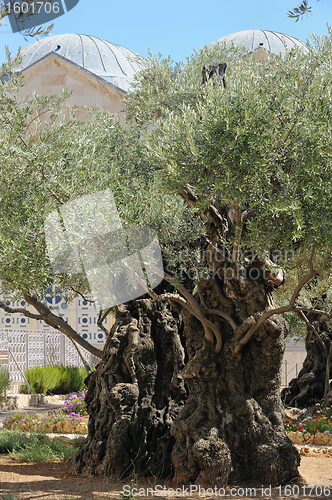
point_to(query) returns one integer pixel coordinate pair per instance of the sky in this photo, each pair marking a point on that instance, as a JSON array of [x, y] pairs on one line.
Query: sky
[[177, 27]]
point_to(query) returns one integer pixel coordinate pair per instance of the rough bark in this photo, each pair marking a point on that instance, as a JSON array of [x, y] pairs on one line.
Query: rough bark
[[228, 428], [309, 387], [135, 394], [231, 428]]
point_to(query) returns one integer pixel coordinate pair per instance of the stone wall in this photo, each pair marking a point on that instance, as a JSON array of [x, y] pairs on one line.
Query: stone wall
[[51, 75]]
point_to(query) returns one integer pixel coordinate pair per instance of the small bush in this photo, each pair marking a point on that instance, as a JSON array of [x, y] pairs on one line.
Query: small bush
[[36, 380], [36, 447], [9, 440], [4, 383], [54, 379]]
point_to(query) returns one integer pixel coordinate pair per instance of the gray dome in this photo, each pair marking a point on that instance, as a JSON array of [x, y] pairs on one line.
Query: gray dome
[[271, 41], [111, 62]]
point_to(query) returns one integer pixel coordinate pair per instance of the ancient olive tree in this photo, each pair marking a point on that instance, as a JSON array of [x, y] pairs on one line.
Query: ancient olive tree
[[47, 158], [28, 189], [189, 386]]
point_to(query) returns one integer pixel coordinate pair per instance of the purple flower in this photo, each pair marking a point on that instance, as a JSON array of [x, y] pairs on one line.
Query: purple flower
[[317, 404], [22, 419], [53, 416], [6, 419]]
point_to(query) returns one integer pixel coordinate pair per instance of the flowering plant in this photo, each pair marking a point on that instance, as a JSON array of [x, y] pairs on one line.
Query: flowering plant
[[321, 421], [31, 422], [75, 404]]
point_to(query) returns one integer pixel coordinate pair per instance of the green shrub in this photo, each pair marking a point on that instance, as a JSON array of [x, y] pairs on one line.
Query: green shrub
[[54, 379], [35, 447], [4, 382], [36, 380], [9, 440]]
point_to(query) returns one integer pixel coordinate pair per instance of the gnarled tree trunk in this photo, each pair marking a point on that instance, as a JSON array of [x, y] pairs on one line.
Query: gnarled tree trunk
[[311, 385], [135, 394], [229, 426]]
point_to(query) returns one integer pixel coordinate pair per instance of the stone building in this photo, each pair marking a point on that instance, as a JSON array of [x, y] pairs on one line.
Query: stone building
[[98, 73]]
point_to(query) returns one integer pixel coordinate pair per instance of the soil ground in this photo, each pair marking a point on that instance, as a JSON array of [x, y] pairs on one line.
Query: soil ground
[[52, 481]]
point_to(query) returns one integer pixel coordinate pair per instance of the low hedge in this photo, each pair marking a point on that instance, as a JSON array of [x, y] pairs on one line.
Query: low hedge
[[54, 379]]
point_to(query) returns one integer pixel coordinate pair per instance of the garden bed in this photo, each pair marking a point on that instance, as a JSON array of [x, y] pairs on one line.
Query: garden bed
[[312, 426], [71, 418]]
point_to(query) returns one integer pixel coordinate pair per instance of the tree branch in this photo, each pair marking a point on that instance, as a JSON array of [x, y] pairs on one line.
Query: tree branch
[[189, 302], [59, 324], [199, 313], [84, 361], [301, 284], [81, 295], [311, 326], [19, 310], [207, 324], [101, 317], [262, 317], [216, 312], [238, 233]]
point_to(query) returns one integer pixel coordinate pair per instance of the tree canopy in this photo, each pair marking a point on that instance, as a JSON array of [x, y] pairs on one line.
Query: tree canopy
[[190, 156], [236, 182], [262, 145]]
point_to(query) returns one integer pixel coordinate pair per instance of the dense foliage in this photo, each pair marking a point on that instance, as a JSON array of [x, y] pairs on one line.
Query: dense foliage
[[262, 148], [264, 142]]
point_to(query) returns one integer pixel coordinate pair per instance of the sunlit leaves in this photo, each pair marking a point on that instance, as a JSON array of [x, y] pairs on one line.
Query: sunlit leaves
[[298, 12]]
